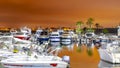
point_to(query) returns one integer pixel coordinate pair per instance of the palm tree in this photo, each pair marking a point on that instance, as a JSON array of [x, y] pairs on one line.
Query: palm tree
[[105, 31], [90, 22], [79, 24], [97, 25]]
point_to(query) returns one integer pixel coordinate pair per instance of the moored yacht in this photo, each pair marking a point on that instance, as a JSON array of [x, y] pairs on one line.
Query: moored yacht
[[54, 37], [110, 51], [89, 34], [25, 30], [66, 38], [21, 35], [43, 37]]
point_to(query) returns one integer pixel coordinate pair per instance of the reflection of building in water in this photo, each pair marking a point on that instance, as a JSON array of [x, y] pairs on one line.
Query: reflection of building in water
[[104, 64], [90, 43]]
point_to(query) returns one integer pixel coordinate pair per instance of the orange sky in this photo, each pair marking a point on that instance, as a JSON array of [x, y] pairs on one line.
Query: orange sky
[[16, 13]]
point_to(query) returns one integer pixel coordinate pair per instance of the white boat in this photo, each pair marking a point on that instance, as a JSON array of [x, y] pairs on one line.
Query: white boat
[[32, 62], [38, 32], [5, 53], [21, 35], [89, 34], [12, 31], [43, 37], [7, 44], [54, 37], [66, 39], [25, 30], [36, 61], [110, 52]]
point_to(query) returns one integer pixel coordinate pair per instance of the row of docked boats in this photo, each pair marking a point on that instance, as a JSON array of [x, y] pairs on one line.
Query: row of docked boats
[[41, 36], [55, 36], [64, 38]]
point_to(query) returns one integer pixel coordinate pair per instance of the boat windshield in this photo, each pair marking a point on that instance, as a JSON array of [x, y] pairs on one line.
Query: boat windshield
[[54, 34], [104, 40], [44, 33], [19, 33], [89, 34]]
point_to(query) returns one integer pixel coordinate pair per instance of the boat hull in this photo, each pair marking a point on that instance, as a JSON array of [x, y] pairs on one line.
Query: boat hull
[[54, 39], [35, 64], [42, 40], [108, 56]]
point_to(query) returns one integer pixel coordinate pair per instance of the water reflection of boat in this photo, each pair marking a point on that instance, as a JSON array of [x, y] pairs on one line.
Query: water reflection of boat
[[70, 47], [55, 43], [90, 43], [104, 64]]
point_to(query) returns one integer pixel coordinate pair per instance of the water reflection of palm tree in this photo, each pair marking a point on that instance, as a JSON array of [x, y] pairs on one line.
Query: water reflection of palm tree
[[89, 51], [79, 48]]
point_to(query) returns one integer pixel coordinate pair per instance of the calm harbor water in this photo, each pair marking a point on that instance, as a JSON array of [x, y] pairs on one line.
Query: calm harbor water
[[82, 56]]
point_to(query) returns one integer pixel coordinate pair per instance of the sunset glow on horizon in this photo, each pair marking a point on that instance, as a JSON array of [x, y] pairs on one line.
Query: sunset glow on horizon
[[55, 13]]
